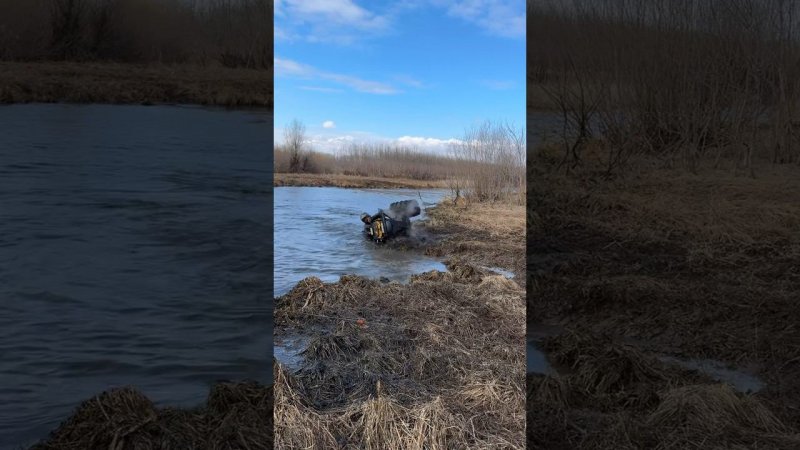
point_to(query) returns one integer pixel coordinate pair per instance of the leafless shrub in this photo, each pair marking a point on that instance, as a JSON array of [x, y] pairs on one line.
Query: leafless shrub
[[686, 80], [231, 33], [487, 165], [294, 142], [498, 152]]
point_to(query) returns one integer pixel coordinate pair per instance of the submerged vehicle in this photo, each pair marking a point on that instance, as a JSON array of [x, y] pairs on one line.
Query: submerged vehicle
[[396, 221]]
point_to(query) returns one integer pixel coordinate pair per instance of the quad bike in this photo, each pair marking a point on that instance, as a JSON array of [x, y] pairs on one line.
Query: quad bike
[[396, 221]]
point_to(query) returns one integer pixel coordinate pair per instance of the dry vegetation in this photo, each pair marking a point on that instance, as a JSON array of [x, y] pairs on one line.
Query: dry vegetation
[[216, 52], [353, 181], [686, 81], [487, 164], [613, 396], [370, 160], [696, 266], [236, 416], [47, 82], [482, 234], [433, 364], [663, 221]]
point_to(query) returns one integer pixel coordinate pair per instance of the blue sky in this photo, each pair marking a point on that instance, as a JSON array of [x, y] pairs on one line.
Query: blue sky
[[417, 71]]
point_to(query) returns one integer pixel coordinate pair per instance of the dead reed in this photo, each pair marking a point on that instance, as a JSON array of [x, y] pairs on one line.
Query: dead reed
[[235, 416], [49, 82], [695, 265], [438, 363]]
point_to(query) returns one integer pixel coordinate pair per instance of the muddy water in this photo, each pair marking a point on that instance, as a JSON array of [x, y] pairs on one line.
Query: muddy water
[[318, 232], [134, 249]]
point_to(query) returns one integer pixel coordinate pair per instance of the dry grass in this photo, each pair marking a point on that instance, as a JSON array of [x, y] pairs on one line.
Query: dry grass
[[352, 181], [699, 266], [49, 82], [437, 364], [484, 234], [236, 415], [614, 396]]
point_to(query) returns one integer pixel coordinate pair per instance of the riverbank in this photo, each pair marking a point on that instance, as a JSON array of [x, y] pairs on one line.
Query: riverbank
[[434, 363], [235, 416], [70, 82], [353, 181], [637, 272]]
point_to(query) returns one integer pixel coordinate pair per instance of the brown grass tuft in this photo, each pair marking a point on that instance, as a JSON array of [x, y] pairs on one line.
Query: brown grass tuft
[[411, 377], [236, 415]]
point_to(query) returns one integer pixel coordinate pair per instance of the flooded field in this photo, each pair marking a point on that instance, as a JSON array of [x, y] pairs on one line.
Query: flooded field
[[135, 251]]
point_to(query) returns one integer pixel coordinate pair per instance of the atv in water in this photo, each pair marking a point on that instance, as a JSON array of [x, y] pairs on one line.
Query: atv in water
[[396, 221]]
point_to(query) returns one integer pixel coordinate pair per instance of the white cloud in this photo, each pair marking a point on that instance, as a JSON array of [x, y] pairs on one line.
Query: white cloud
[[320, 89], [344, 22], [344, 12], [331, 142], [328, 124], [504, 18], [287, 67], [409, 81], [427, 143], [499, 85], [328, 21]]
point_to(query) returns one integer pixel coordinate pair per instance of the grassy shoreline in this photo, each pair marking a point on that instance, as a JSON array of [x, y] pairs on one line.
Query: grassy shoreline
[[663, 262], [118, 83], [434, 363], [352, 181]]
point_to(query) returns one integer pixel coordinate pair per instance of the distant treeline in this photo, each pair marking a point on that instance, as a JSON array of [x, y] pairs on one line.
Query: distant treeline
[[686, 80], [488, 164], [371, 160], [231, 33]]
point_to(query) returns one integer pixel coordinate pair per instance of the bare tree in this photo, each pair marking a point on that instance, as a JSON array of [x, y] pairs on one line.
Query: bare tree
[[68, 17], [294, 136], [683, 80], [498, 151]]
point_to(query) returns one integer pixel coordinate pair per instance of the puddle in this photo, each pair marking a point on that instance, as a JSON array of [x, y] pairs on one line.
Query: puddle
[[740, 380], [288, 350], [506, 273], [537, 360]]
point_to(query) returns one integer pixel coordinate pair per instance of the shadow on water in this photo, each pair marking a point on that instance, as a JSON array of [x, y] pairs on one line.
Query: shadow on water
[[135, 249]]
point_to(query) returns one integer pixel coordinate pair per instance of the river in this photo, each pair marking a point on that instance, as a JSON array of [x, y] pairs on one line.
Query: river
[[135, 249], [318, 233]]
